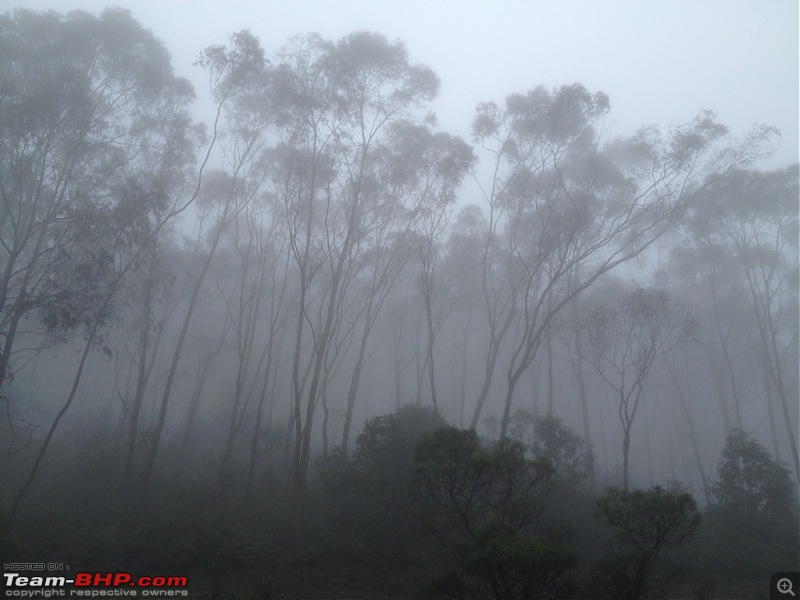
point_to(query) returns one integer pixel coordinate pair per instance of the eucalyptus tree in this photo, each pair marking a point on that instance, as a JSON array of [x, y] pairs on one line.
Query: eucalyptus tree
[[89, 125], [459, 270], [713, 276], [753, 217], [420, 172], [279, 294], [530, 141], [95, 149], [344, 185], [237, 76], [573, 342], [151, 297], [255, 283], [565, 210], [435, 218], [243, 292]]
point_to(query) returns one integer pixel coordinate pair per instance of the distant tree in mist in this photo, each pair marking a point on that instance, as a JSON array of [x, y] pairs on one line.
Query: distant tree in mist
[[626, 342], [752, 217], [233, 71]]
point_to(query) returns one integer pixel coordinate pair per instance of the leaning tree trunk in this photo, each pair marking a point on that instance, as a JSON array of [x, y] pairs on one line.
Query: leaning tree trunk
[[173, 368], [54, 425]]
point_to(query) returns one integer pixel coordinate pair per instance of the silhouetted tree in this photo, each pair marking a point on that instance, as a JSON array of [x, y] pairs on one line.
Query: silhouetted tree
[[487, 500], [648, 523], [753, 525], [372, 513]]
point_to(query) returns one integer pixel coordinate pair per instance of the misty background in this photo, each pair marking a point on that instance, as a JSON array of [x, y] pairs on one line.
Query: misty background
[[243, 243]]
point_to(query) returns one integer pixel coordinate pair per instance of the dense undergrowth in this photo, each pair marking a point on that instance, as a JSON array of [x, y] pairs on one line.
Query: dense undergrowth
[[420, 509]]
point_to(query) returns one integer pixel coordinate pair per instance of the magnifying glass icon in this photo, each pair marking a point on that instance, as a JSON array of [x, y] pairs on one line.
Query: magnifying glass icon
[[785, 586]]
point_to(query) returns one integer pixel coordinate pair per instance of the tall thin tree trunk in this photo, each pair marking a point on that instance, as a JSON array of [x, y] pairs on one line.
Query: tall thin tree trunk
[[550, 378], [685, 410], [173, 368], [356, 376], [495, 339], [587, 430], [73, 390]]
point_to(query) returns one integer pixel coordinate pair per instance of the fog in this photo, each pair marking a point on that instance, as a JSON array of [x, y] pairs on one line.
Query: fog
[[350, 300]]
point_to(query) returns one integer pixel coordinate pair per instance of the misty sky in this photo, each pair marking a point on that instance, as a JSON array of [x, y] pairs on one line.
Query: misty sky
[[659, 61]]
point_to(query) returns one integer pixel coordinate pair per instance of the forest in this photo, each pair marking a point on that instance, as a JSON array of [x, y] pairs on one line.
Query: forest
[[276, 349]]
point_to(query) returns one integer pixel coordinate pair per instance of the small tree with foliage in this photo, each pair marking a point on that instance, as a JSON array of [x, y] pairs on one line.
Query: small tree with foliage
[[749, 480], [648, 523], [485, 503], [568, 452], [753, 526], [368, 497]]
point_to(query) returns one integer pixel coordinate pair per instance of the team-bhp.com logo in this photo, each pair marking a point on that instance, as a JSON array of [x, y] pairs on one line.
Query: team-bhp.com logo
[[84, 584]]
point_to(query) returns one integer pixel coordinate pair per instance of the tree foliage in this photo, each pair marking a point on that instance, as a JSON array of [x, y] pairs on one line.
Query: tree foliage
[[488, 500], [95, 139], [751, 481], [648, 523]]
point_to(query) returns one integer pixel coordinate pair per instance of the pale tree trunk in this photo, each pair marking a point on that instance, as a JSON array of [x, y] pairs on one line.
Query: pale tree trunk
[[728, 366], [768, 334], [247, 322], [495, 341], [461, 390], [431, 338], [276, 321], [720, 390], [304, 429], [550, 379], [145, 364], [577, 362], [770, 402], [356, 378], [142, 378], [173, 367], [626, 448], [397, 341], [90, 339], [627, 416], [693, 439], [204, 371], [648, 426]]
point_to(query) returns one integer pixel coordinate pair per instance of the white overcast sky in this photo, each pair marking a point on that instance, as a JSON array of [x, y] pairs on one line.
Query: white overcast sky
[[660, 61]]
